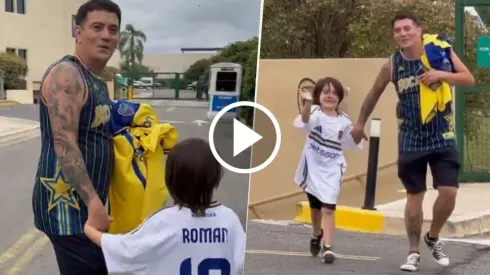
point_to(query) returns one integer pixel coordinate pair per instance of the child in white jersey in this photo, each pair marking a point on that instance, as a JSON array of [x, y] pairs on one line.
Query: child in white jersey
[[322, 162], [195, 236]]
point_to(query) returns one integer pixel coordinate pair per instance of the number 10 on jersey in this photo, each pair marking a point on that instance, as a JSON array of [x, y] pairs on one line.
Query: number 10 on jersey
[[205, 266]]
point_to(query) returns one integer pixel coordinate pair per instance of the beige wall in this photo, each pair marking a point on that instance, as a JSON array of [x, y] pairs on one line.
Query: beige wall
[[44, 32], [277, 91]]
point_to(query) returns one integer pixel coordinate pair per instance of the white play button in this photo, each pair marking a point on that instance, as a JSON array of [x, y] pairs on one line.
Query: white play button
[[243, 137], [231, 140]]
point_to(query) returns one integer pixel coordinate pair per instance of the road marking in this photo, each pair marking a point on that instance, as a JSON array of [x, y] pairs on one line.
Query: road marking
[[23, 242], [174, 122], [200, 122], [302, 254], [28, 256], [195, 122], [170, 109]]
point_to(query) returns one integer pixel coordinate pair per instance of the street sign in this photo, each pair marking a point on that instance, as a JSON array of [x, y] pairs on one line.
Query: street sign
[[483, 52]]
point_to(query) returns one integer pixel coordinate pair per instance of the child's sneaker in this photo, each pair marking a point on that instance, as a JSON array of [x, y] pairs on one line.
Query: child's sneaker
[[328, 256], [413, 262], [315, 244], [435, 246]]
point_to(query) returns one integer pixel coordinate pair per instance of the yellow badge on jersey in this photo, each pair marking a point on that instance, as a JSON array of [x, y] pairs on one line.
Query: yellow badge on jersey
[[137, 187]]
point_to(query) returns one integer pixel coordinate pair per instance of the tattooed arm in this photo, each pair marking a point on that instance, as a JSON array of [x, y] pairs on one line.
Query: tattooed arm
[[64, 93], [382, 80]]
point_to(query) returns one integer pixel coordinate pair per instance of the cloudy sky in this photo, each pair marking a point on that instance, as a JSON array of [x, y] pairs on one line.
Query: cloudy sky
[[173, 24]]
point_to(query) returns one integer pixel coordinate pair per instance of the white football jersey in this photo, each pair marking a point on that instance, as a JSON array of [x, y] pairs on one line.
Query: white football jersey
[[175, 242], [322, 162]]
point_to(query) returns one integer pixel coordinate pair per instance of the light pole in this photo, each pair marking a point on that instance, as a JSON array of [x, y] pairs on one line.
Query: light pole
[[130, 81]]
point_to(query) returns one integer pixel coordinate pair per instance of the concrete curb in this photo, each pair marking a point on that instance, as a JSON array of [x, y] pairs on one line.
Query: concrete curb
[[391, 223], [28, 132], [174, 103], [8, 102], [471, 225], [347, 218]]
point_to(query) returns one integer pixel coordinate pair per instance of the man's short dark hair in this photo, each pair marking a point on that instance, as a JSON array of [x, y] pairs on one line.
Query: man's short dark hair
[[405, 15], [192, 174], [96, 5]]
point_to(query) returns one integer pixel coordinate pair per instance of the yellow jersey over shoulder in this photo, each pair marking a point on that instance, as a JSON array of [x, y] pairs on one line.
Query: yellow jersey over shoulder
[[137, 188]]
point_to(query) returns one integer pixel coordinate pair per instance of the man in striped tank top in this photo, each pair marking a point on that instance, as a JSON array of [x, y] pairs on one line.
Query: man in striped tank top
[[420, 144], [77, 156]]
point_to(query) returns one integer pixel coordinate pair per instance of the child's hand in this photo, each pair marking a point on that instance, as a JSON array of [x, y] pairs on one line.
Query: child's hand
[[93, 233], [306, 96], [88, 227]]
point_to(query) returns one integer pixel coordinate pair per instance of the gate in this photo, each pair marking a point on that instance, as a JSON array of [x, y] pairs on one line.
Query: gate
[[472, 44], [159, 85]]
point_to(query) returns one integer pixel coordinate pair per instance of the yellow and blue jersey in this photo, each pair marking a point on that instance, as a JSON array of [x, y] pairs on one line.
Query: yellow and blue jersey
[[137, 187], [57, 208], [413, 134]]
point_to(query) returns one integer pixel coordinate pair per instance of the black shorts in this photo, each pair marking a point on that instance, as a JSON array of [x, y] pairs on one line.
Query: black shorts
[[316, 204], [444, 165], [78, 255]]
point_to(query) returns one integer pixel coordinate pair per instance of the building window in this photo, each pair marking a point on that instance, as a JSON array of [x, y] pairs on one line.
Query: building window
[[9, 5], [22, 53], [21, 7], [18, 6]]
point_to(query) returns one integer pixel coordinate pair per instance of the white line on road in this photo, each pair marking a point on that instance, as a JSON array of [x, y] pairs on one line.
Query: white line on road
[[170, 109], [195, 122]]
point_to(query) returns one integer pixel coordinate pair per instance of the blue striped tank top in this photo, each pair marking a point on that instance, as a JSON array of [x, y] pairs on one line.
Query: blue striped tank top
[[57, 208], [413, 136]]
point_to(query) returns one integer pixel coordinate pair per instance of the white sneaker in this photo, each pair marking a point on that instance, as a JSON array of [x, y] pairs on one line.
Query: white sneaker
[[327, 254], [437, 252], [412, 264]]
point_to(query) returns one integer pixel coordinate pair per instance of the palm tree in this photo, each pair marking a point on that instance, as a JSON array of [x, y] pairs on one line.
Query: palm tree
[[131, 44]]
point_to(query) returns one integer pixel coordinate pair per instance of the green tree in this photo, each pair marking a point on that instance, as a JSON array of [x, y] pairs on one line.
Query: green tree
[[362, 29], [14, 70], [240, 52], [131, 45], [136, 71], [196, 70]]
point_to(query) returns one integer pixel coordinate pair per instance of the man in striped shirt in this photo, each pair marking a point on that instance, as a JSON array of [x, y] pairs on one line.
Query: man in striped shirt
[[420, 144], [77, 151]]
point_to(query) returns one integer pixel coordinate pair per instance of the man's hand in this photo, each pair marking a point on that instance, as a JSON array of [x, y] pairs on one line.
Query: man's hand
[[357, 133], [431, 77]]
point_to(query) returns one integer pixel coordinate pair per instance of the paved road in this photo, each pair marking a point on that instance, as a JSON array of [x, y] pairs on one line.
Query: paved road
[[25, 252], [283, 250]]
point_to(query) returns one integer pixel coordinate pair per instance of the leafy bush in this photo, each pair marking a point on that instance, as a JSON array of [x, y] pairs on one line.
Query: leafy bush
[[13, 70]]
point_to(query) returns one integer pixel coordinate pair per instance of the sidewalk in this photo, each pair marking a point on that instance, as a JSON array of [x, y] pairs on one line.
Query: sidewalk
[[470, 217], [15, 130]]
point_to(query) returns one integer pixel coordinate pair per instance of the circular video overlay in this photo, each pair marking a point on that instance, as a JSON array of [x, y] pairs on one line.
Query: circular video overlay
[[277, 144]]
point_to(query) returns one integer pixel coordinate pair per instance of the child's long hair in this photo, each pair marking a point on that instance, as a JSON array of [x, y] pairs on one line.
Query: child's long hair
[[192, 174]]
